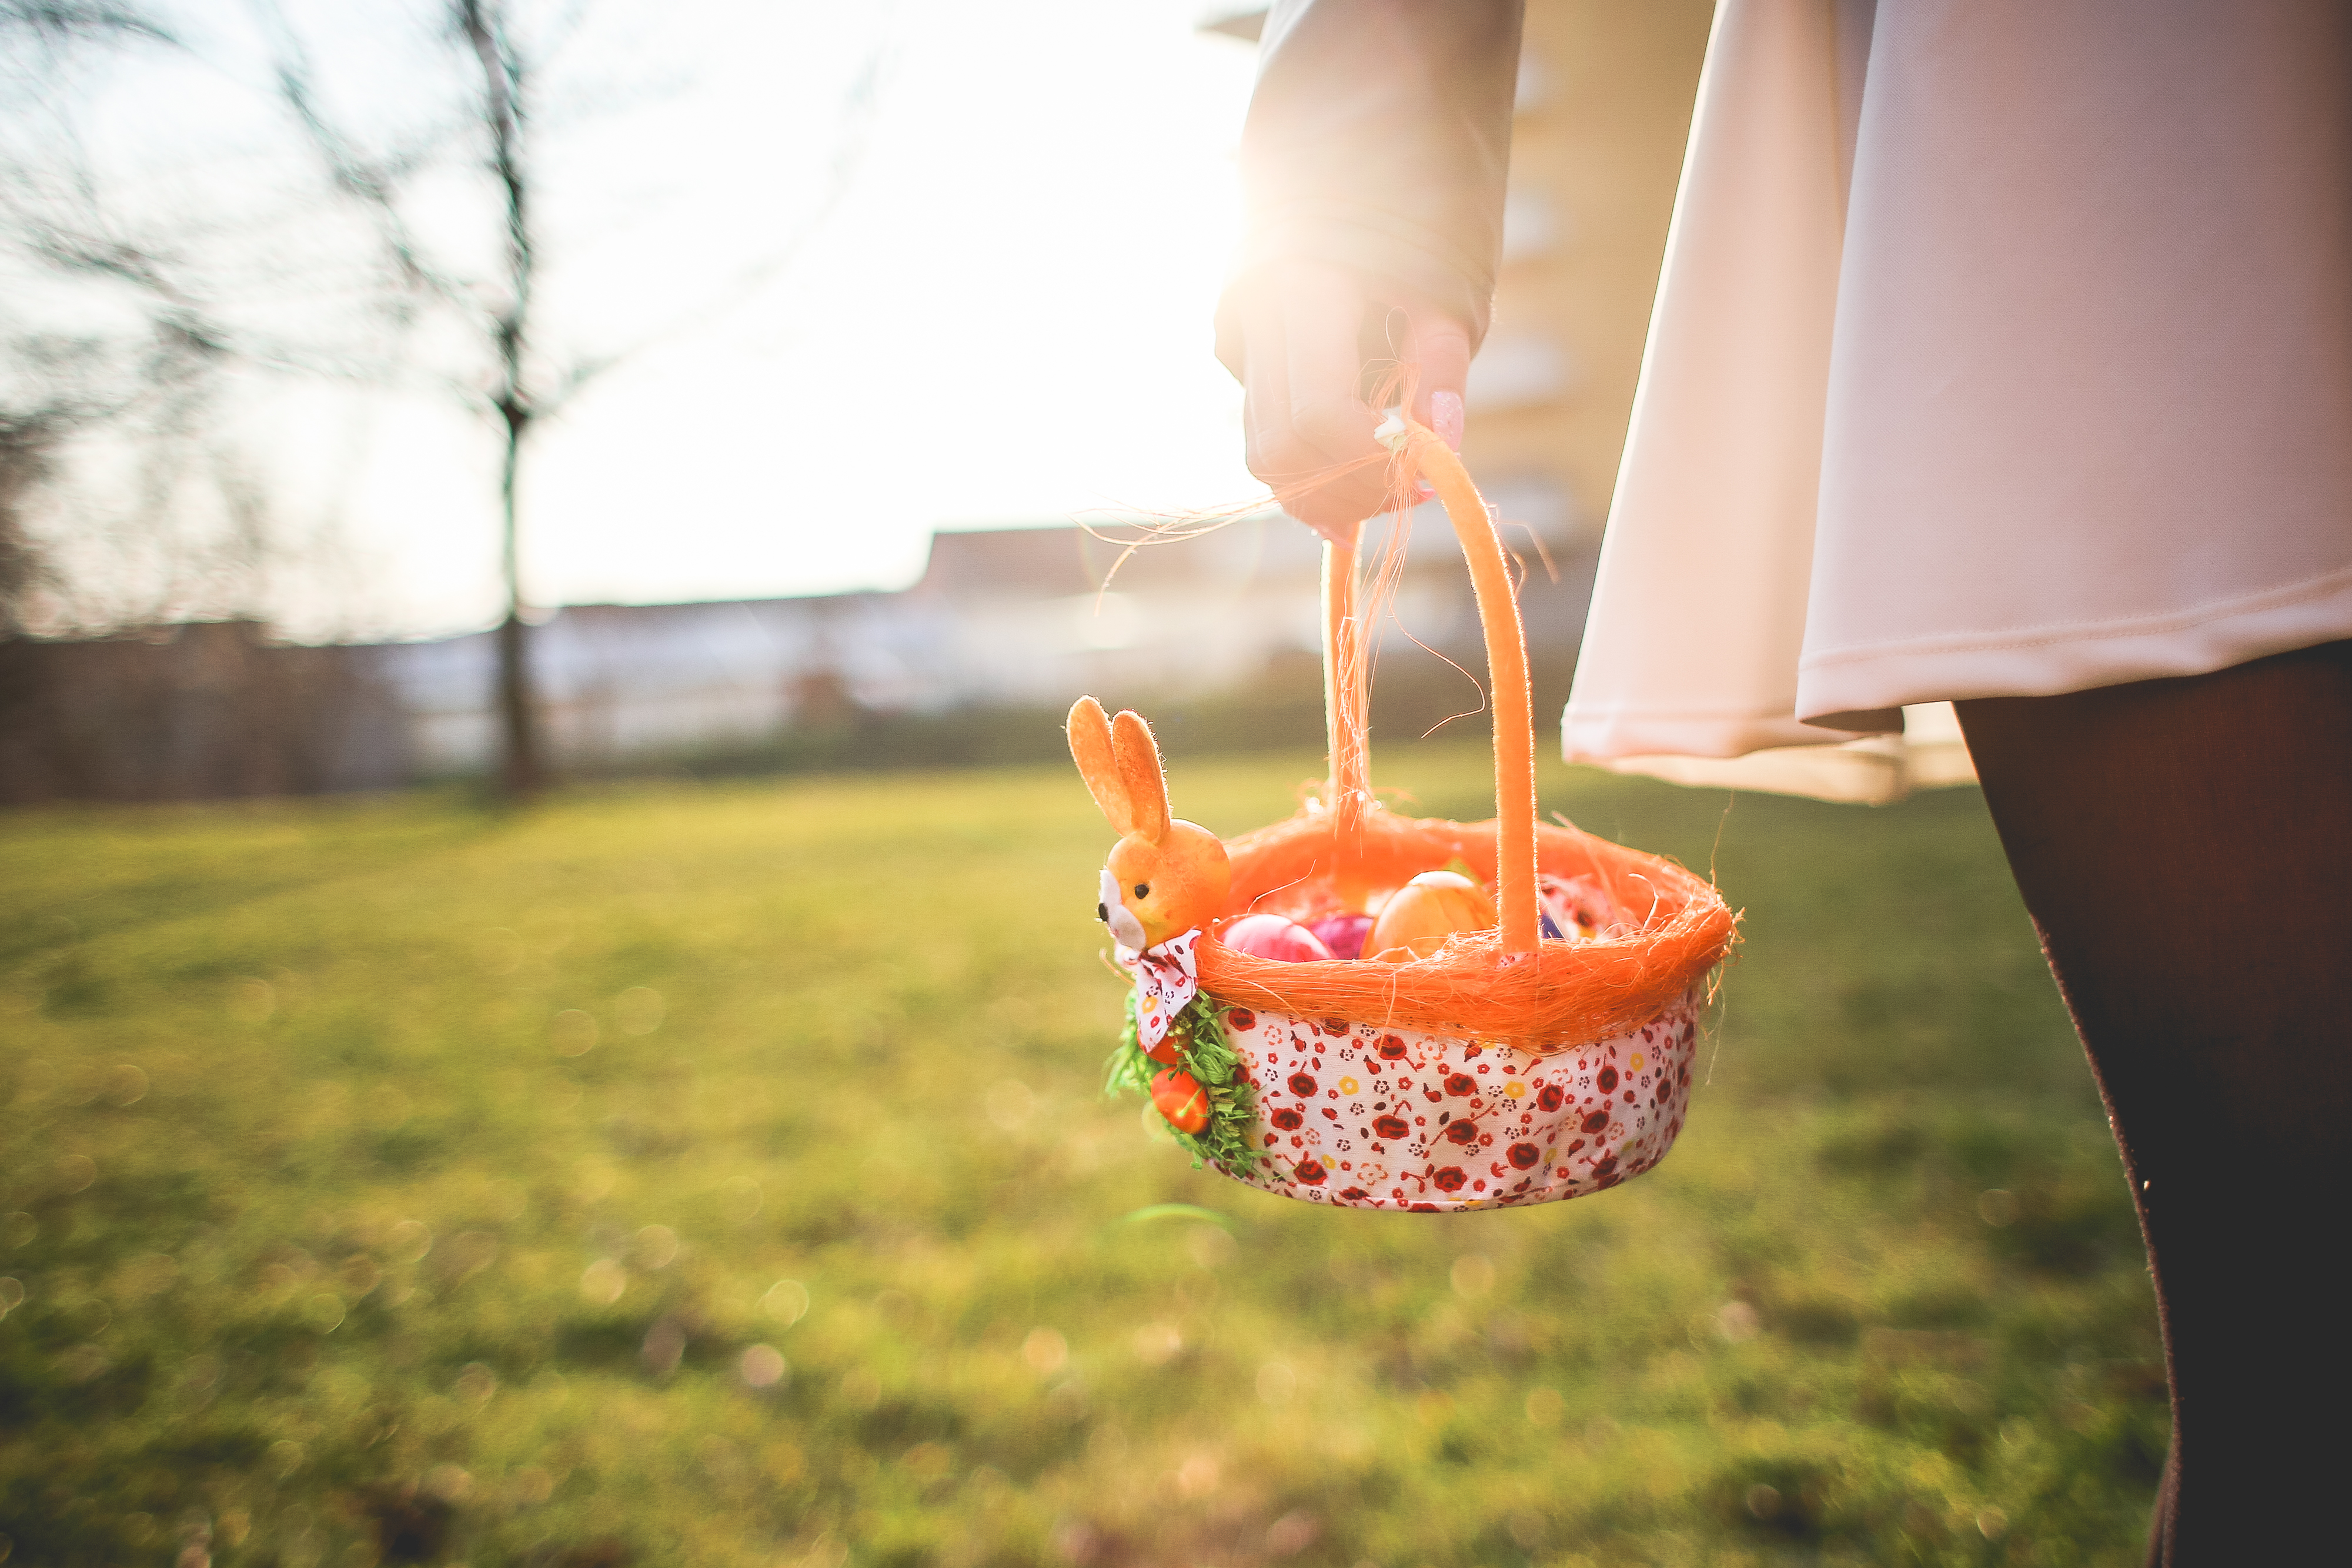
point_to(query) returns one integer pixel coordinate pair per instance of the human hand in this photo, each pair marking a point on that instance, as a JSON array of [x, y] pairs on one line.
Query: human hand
[[1309, 333]]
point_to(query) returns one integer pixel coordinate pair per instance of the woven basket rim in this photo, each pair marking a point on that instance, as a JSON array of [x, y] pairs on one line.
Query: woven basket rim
[[1566, 994]]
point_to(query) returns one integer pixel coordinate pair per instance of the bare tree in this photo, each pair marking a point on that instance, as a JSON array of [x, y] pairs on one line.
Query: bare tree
[[174, 310], [522, 386], [150, 385], [521, 389], [27, 439], [147, 402], [34, 417], [48, 26], [156, 388], [517, 401]]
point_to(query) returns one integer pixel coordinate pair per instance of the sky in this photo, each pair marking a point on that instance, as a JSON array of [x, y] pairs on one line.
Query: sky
[[868, 270]]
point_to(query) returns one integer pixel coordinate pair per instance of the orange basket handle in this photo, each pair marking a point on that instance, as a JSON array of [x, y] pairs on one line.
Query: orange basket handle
[[1345, 683]]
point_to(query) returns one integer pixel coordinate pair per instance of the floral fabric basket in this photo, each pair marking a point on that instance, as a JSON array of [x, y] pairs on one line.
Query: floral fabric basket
[[1546, 1057], [1367, 1117]]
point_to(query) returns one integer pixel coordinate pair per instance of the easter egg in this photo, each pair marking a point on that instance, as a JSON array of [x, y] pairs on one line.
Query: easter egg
[[1184, 1102], [1274, 936], [1343, 933], [1420, 915]]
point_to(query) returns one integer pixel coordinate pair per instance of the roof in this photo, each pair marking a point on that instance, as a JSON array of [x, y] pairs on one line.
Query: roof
[[1027, 562], [1243, 22]]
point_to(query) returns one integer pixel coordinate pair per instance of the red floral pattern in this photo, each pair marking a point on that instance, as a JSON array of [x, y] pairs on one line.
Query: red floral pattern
[[1371, 1117]]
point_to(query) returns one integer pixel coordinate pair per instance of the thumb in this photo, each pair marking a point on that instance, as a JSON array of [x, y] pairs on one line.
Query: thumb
[[1440, 346]]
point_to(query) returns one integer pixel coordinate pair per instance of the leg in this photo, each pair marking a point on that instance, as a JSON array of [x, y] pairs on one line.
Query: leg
[[2185, 847]]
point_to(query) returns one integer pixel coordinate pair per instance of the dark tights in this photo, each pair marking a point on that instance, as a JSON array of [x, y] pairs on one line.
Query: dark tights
[[2185, 847]]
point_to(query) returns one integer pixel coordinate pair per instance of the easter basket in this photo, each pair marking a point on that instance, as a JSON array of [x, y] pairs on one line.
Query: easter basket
[[1544, 1056]]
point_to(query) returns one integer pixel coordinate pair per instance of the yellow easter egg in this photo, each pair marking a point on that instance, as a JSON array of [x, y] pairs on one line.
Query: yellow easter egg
[[1420, 916]]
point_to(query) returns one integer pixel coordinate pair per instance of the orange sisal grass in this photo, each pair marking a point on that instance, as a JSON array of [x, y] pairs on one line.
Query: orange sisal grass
[[1563, 995]]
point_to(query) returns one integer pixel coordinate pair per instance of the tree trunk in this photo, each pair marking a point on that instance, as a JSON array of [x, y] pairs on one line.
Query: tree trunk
[[521, 770], [520, 775]]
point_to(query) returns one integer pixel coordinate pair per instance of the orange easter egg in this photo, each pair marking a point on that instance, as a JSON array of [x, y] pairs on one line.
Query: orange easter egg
[[1420, 916]]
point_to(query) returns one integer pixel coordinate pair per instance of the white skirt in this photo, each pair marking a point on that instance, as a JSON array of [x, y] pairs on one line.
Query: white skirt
[[2003, 348]]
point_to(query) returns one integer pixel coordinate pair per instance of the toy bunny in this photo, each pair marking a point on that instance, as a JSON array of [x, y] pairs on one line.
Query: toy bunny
[[1165, 879]]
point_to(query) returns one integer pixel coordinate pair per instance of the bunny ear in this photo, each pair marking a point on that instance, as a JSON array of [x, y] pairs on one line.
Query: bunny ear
[[1139, 770], [1090, 748]]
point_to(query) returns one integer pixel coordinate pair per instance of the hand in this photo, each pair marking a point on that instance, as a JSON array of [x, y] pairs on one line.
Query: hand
[[1305, 351]]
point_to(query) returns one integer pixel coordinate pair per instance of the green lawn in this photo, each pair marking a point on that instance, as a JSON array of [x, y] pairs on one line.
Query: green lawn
[[718, 1175]]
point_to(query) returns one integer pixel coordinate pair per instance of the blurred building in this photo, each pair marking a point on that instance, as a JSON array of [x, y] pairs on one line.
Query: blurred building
[[1001, 619], [1007, 623], [194, 712]]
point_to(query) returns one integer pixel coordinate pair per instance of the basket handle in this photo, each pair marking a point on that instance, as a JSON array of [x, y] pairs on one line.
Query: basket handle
[[1345, 683]]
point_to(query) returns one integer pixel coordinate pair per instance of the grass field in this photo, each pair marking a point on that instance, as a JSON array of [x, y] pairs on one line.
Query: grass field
[[718, 1175]]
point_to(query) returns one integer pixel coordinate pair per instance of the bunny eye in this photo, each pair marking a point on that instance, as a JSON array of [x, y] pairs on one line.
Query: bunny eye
[[1143, 890]]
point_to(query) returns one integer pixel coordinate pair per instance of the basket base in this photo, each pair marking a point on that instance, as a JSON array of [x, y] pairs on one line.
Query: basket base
[[1359, 1116]]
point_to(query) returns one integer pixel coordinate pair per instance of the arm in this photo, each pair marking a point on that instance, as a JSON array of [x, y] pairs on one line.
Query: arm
[[1373, 161]]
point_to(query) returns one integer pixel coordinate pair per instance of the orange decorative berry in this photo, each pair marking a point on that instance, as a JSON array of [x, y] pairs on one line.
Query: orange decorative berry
[[1177, 1097]]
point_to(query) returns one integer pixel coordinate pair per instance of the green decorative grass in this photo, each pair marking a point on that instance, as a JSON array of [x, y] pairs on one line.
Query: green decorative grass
[[719, 1175], [1207, 1055]]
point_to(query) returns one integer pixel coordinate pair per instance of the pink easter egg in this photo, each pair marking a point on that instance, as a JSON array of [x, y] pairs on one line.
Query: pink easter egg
[[1276, 937]]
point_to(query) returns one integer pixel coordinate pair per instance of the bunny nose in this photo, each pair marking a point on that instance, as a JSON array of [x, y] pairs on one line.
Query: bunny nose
[[1125, 929]]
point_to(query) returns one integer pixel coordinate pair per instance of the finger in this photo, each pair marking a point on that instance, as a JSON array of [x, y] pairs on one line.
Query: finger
[[1275, 452], [1440, 346], [1278, 452], [1323, 312], [1274, 447], [1265, 386], [1322, 315]]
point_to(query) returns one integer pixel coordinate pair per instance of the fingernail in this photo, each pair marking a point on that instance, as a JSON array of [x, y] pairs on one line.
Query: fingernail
[[1446, 417]]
